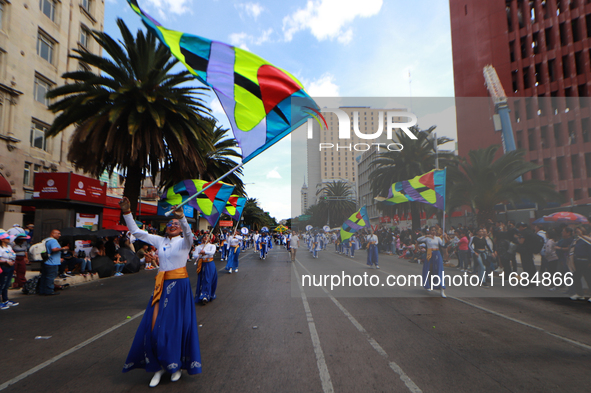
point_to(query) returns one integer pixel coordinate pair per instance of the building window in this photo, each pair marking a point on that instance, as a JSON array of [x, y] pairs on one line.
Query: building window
[[38, 137], [27, 175], [40, 90], [48, 8], [84, 36], [87, 5], [2, 7], [45, 47]]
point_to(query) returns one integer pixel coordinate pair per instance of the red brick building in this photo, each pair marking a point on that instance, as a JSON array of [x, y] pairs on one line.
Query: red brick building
[[540, 50]]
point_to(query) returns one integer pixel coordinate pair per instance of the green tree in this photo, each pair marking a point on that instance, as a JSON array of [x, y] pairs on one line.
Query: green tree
[[417, 157], [255, 217], [135, 116], [335, 201], [482, 182]]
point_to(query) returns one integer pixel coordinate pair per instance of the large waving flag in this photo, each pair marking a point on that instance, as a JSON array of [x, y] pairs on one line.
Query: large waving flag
[[234, 206], [256, 95], [210, 203], [428, 188], [357, 221]]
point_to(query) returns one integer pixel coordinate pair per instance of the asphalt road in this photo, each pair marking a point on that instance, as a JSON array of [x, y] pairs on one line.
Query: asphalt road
[[266, 333]]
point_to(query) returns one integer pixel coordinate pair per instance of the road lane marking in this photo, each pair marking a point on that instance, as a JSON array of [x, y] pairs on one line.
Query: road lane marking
[[412, 387], [66, 353], [320, 360], [568, 340]]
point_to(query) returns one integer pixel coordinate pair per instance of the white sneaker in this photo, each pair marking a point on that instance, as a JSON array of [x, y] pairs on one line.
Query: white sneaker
[[230, 271], [443, 294], [577, 297], [156, 378], [176, 376], [236, 270]]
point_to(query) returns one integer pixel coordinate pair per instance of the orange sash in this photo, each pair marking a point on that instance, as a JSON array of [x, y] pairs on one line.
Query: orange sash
[[200, 262], [175, 274]]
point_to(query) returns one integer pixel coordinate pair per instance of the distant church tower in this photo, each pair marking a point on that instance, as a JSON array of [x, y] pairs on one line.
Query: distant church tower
[[304, 194]]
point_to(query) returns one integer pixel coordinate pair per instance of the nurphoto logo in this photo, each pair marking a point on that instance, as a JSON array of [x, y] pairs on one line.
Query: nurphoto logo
[[392, 121]]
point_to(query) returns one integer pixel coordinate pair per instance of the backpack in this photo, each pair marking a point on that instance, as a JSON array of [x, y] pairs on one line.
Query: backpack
[[38, 251], [537, 244], [31, 287]]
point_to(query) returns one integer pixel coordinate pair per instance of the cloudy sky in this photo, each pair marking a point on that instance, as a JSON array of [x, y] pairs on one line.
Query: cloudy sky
[[345, 48]]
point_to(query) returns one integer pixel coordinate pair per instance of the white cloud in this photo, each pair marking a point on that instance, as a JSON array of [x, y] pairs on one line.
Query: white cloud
[[242, 40], [251, 9], [273, 174], [326, 18], [177, 7], [322, 87], [239, 40]]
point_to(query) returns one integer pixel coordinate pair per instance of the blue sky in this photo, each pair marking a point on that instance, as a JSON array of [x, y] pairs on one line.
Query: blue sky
[[346, 48]]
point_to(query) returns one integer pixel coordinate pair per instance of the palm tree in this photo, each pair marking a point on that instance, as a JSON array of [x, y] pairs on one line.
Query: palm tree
[[254, 216], [336, 198], [135, 116], [483, 182], [417, 157]]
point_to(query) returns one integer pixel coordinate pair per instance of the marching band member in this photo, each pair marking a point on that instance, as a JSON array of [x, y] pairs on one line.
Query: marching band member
[[433, 243], [167, 339], [207, 279], [372, 249], [234, 246]]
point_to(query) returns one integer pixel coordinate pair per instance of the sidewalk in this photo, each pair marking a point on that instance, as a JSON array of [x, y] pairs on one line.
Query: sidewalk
[[71, 281]]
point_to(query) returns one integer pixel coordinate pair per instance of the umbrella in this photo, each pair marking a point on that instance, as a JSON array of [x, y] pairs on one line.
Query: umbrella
[[107, 233], [562, 218], [77, 233]]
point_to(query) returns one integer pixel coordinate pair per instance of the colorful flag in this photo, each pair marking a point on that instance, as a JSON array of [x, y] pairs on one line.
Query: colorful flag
[[234, 206], [256, 95], [357, 221], [210, 203], [428, 188]]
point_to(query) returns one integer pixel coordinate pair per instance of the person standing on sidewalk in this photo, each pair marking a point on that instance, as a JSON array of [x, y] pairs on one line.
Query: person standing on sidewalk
[[167, 339], [7, 258], [19, 246], [52, 264]]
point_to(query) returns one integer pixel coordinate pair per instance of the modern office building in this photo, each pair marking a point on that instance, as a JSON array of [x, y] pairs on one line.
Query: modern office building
[[36, 38], [540, 50]]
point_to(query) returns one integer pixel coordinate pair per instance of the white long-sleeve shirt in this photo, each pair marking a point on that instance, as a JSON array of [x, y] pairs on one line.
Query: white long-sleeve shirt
[[172, 253], [209, 251], [234, 241], [432, 243]]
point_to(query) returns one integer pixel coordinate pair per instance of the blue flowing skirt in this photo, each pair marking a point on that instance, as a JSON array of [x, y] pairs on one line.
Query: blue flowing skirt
[[232, 258], [174, 342], [207, 282], [372, 255], [433, 266]]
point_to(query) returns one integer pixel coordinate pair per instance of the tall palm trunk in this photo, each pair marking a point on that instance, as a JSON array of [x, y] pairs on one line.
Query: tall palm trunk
[[133, 186]]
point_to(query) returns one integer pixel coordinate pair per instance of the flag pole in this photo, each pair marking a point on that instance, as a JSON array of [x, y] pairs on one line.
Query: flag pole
[[168, 213], [238, 222]]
